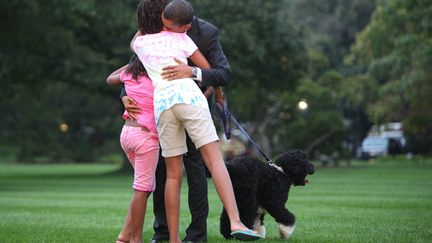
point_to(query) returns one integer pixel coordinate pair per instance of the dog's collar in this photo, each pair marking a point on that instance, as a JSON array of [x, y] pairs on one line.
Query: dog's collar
[[277, 167]]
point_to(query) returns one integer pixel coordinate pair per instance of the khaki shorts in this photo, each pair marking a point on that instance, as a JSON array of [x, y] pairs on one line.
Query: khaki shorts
[[172, 124]]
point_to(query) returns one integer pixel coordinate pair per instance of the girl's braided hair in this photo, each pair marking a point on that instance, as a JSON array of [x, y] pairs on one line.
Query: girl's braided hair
[[149, 14]]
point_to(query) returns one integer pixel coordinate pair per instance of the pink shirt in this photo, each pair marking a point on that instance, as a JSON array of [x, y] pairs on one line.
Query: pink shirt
[[141, 90]]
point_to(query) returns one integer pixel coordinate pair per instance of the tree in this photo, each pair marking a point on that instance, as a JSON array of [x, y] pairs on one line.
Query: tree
[[396, 50], [330, 26], [55, 58], [266, 54], [319, 128]]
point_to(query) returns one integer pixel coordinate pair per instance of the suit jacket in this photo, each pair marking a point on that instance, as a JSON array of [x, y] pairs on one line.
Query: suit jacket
[[206, 37]]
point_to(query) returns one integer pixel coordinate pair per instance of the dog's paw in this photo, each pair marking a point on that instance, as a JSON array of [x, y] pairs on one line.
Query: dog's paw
[[286, 231], [261, 231], [258, 225]]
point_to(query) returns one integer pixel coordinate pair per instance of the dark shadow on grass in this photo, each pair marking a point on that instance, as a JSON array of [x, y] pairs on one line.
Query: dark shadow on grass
[[125, 169]]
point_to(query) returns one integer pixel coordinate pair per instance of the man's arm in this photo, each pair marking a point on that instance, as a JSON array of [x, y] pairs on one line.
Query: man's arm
[[220, 72], [114, 77], [208, 42]]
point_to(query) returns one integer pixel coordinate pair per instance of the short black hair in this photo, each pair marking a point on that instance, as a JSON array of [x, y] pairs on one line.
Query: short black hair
[[149, 14], [179, 11]]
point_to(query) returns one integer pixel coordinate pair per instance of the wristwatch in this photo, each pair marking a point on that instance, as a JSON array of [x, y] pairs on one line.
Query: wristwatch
[[194, 72]]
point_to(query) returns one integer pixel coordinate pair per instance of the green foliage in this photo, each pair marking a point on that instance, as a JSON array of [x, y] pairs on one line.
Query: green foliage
[[330, 26], [265, 51], [323, 118], [318, 62], [329, 29], [55, 57], [396, 48], [267, 58], [271, 50]]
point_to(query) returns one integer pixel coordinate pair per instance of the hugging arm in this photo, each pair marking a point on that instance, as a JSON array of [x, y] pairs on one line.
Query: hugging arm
[[114, 77], [199, 60], [217, 74], [128, 103]]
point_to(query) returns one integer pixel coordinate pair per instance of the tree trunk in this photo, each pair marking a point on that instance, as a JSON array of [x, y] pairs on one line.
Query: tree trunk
[[321, 139]]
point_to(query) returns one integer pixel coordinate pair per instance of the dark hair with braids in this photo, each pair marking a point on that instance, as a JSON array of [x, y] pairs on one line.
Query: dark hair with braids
[[149, 14], [135, 67], [179, 11]]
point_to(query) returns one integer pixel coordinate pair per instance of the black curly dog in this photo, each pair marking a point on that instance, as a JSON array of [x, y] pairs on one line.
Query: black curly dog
[[262, 188]]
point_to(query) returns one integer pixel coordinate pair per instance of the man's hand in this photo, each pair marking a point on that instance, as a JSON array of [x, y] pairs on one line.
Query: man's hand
[[131, 107], [209, 91], [221, 106], [182, 70]]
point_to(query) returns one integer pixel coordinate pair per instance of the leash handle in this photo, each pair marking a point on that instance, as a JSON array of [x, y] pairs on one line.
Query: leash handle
[[221, 106], [250, 139], [219, 95]]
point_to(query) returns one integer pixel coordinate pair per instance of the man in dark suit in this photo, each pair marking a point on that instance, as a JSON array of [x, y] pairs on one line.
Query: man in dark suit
[[206, 37]]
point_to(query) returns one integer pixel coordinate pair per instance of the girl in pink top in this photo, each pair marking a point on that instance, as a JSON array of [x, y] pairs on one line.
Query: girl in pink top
[[140, 142]]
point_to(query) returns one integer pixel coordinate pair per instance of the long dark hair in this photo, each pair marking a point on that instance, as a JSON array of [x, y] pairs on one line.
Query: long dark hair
[[135, 67], [149, 14]]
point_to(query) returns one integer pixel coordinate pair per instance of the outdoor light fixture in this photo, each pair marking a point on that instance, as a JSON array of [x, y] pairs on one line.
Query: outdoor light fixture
[[63, 127], [303, 105]]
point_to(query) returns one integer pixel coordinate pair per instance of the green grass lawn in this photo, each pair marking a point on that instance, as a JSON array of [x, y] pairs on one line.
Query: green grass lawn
[[379, 201]]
